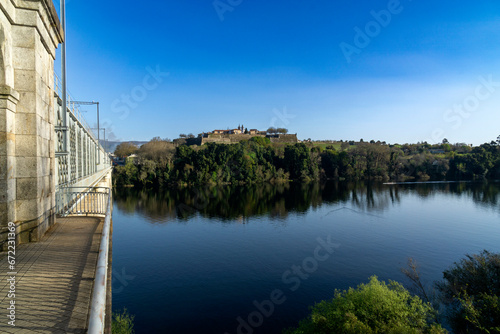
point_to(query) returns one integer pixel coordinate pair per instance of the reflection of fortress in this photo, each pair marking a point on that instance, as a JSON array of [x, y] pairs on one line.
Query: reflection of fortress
[[240, 133]]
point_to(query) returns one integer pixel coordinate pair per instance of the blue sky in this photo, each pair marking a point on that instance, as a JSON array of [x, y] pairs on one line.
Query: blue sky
[[421, 70]]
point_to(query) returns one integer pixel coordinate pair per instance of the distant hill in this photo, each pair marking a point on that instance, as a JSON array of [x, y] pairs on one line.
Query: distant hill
[[110, 146]]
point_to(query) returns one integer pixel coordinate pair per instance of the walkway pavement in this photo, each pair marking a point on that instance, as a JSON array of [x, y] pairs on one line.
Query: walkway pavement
[[54, 279]]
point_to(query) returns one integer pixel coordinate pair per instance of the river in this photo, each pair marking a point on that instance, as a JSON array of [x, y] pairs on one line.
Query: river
[[252, 259]]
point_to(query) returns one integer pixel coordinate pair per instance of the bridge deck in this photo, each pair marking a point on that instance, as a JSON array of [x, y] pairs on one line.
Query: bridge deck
[[54, 279]]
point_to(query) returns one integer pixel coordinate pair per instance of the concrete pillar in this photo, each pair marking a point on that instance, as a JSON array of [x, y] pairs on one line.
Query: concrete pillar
[[29, 35]]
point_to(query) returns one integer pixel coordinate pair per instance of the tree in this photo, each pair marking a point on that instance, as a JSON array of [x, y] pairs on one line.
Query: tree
[[297, 160], [471, 290], [374, 308], [182, 135], [125, 149], [272, 130], [282, 130], [159, 150], [263, 141], [125, 175], [190, 135], [445, 141]]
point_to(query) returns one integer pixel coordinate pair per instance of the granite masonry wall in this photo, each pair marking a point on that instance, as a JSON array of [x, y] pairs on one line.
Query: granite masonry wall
[[30, 32]]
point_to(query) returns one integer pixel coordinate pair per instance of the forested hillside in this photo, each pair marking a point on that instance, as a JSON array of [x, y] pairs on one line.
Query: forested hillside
[[161, 163]]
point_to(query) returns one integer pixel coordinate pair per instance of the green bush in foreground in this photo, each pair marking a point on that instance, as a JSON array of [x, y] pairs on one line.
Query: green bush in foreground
[[471, 292], [123, 323], [372, 308]]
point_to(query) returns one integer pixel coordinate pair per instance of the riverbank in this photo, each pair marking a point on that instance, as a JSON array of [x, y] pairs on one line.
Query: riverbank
[[258, 161]]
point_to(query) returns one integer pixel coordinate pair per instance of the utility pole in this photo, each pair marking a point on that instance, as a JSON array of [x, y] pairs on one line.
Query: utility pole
[[63, 77]]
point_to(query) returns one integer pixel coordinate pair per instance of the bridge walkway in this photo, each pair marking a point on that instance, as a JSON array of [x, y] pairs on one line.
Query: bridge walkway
[[54, 279]]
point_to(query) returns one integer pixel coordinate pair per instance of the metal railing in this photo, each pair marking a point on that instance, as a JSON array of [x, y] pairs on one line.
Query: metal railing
[[97, 317], [92, 179], [82, 201], [95, 202]]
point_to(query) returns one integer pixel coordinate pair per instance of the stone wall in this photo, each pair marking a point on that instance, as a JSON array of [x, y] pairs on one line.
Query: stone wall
[[234, 138], [29, 35], [288, 138]]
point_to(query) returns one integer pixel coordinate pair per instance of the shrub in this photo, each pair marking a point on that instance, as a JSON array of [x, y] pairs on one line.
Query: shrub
[[471, 292], [123, 323], [372, 308]]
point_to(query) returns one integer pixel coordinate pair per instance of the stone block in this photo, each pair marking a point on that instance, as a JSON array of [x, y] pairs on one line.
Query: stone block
[[47, 185], [3, 120], [45, 129], [23, 58], [43, 188], [7, 120], [44, 40], [53, 199], [42, 147], [27, 209], [26, 167], [52, 113], [9, 10], [9, 104], [23, 237], [25, 80], [27, 103], [23, 36], [26, 145], [52, 148], [7, 213], [7, 164], [11, 193], [3, 148], [4, 220], [3, 191], [10, 145], [3, 169], [26, 188], [43, 166], [10, 116], [27, 17], [42, 107], [26, 124], [45, 94], [39, 65]]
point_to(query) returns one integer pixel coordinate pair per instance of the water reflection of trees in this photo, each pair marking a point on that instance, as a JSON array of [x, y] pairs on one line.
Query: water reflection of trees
[[278, 201], [484, 194]]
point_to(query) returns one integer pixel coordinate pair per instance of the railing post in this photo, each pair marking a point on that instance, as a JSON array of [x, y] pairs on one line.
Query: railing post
[[97, 316]]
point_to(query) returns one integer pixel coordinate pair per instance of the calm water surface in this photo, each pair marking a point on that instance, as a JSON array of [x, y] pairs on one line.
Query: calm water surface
[[194, 260]]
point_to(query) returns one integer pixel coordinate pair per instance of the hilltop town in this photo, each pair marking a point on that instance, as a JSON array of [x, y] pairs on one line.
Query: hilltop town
[[276, 135]]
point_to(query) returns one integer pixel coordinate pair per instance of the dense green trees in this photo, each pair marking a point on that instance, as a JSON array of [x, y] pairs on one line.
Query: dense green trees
[[471, 290], [125, 149], [469, 296], [161, 162], [298, 161], [375, 308]]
